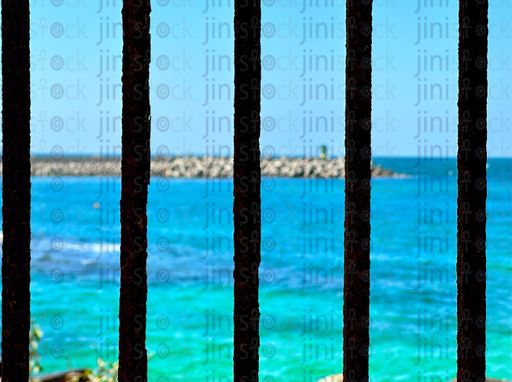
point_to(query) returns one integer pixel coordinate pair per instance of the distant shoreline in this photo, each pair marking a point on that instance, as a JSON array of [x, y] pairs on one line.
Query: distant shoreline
[[199, 167]]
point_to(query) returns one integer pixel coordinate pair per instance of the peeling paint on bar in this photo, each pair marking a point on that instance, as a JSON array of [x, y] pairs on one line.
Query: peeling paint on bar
[[246, 191], [472, 190], [135, 166], [16, 190], [358, 105]]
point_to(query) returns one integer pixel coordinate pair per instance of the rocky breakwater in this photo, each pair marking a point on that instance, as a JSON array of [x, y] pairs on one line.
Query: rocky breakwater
[[199, 167]]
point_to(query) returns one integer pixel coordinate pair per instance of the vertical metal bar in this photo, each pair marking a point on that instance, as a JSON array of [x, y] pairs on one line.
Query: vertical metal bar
[[358, 107], [472, 190], [246, 190], [134, 190], [16, 190]]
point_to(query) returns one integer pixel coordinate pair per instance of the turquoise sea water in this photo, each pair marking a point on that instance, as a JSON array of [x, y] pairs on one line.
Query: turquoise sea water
[[75, 275]]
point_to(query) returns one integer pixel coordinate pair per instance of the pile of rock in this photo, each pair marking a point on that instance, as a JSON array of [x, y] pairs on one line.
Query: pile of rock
[[199, 167]]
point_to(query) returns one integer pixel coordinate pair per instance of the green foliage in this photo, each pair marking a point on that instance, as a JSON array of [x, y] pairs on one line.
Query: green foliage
[[106, 372], [35, 336]]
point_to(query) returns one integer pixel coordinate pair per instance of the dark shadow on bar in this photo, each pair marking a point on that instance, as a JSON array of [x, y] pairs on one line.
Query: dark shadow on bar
[[134, 192], [472, 190], [16, 190], [358, 107], [246, 189]]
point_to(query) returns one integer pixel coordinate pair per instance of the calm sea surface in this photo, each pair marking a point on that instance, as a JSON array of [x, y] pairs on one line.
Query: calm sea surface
[[75, 275]]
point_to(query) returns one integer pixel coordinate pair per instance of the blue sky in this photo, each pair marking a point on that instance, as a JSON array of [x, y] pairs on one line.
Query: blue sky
[[76, 65]]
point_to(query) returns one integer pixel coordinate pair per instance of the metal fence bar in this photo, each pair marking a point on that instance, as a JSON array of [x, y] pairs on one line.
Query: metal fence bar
[[246, 190], [358, 105], [472, 190], [134, 190], [16, 190]]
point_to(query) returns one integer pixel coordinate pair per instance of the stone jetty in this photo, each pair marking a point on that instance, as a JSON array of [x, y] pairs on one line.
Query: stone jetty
[[199, 167]]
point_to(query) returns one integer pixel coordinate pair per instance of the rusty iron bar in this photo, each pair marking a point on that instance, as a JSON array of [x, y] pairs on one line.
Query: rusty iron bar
[[358, 107], [246, 189], [16, 190], [135, 166], [472, 190]]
